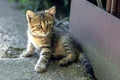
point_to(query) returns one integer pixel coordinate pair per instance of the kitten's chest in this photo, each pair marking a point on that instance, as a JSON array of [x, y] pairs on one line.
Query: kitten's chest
[[39, 41]]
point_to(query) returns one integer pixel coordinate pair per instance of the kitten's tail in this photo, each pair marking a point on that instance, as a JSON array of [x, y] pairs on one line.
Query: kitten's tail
[[86, 63]]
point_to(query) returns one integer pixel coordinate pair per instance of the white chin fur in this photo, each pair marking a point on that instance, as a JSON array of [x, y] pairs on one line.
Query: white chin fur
[[45, 34]]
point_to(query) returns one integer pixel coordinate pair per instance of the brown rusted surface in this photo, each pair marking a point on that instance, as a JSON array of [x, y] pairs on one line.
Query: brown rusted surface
[[114, 7], [99, 34], [108, 5]]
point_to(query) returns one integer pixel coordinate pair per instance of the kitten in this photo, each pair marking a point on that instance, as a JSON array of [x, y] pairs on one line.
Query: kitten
[[48, 39]]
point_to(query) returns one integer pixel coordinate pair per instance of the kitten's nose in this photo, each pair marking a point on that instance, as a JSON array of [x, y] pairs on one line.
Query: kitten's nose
[[44, 31]]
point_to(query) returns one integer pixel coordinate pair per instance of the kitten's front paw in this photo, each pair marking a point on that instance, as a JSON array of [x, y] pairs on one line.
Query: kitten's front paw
[[40, 68], [63, 62], [26, 54]]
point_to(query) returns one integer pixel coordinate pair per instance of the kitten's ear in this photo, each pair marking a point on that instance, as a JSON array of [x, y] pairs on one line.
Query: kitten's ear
[[29, 15], [51, 11]]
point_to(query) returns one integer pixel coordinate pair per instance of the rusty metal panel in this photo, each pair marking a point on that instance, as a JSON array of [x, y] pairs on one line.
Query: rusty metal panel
[[99, 34]]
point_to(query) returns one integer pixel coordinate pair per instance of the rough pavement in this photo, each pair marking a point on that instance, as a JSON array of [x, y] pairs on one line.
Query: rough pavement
[[23, 69], [12, 27], [13, 40]]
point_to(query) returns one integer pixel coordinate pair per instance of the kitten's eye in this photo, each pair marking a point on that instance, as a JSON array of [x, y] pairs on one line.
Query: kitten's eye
[[48, 25], [39, 26], [32, 26]]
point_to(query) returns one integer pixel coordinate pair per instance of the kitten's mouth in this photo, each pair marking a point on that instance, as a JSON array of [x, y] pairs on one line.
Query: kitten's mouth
[[37, 34], [46, 33]]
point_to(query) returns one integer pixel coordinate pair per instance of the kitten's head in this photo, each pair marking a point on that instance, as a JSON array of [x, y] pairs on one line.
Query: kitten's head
[[41, 23]]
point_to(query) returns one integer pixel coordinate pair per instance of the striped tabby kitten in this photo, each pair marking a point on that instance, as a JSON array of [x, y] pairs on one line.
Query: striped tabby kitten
[[48, 39]]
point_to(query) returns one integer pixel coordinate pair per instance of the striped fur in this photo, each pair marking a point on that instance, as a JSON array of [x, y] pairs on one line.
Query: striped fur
[[48, 39]]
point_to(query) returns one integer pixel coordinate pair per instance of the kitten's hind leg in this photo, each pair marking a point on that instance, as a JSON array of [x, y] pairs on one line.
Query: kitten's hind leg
[[68, 59], [29, 52], [69, 51]]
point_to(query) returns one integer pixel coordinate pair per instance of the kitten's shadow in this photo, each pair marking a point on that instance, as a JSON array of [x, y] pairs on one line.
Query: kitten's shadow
[[36, 55]]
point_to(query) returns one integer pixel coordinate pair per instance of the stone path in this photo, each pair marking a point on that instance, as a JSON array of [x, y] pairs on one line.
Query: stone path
[[12, 27], [13, 41]]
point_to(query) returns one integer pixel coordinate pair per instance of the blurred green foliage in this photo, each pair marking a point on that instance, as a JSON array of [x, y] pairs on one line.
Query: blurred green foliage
[[63, 6]]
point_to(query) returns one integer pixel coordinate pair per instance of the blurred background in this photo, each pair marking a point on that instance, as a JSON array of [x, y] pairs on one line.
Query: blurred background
[[100, 3], [111, 6], [63, 6]]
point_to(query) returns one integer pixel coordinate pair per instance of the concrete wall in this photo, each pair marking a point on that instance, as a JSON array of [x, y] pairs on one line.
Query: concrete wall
[[99, 34]]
